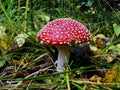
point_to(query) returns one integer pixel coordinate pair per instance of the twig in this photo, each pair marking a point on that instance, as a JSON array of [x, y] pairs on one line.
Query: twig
[[35, 73], [95, 83]]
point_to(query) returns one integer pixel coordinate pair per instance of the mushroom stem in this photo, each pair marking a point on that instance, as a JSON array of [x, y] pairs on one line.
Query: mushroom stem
[[61, 61]]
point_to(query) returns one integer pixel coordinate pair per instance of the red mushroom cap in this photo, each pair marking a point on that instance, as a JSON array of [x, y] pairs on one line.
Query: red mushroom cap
[[62, 31]]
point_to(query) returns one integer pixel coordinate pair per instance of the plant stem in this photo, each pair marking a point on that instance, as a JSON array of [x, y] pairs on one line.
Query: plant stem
[[18, 10], [31, 15], [67, 77], [7, 15], [26, 10]]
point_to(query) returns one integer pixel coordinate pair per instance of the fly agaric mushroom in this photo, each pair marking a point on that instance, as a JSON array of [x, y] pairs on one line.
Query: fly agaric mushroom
[[60, 33]]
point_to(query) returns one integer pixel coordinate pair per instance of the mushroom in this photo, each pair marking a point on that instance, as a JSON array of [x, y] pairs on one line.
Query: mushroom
[[60, 33]]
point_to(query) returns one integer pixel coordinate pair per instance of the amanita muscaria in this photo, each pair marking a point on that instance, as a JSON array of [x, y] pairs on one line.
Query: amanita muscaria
[[60, 33]]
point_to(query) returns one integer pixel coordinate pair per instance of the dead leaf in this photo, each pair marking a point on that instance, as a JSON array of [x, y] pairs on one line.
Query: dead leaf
[[112, 75], [99, 43], [94, 50], [19, 62], [20, 39], [109, 59], [95, 78], [117, 78], [98, 36], [4, 45]]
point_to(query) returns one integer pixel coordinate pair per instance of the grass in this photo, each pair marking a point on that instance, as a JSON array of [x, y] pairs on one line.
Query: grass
[[32, 66]]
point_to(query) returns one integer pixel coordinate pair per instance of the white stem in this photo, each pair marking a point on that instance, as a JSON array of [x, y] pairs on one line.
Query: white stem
[[61, 61]]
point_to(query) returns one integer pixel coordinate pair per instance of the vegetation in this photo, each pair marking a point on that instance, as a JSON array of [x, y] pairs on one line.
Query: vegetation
[[27, 64]]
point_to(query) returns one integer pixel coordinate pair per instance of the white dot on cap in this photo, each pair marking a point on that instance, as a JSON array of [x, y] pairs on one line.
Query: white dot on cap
[[79, 41], [47, 41], [79, 31], [68, 43], [68, 35], [61, 42], [57, 32], [65, 42], [87, 38], [43, 39], [57, 36], [41, 42], [81, 36], [44, 33], [51, 28], [68, 28], [53, 42], [62, 32], [84, 36]]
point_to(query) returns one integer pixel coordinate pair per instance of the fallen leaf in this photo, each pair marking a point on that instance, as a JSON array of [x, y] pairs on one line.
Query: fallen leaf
[[117, 78], [112, 75], [2, 31], [109, 58], [94, 50], [20, 39], [101, 41], [98, 35], [95, 78], [4, 45], [19, 62], [2, 63], [116, 29]]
